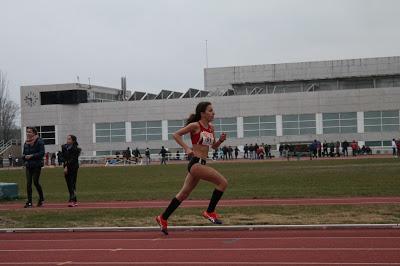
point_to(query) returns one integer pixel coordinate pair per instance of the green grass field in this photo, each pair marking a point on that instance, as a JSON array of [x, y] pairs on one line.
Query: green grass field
[[328, 178]]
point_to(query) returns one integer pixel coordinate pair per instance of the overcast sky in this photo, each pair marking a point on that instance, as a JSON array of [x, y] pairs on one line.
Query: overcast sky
[[161, 44]]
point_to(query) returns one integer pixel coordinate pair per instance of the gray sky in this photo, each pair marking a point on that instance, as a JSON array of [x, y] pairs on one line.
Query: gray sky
[[160, 44]]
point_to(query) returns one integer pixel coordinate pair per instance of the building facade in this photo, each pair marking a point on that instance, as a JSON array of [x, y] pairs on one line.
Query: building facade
[[356, 99]]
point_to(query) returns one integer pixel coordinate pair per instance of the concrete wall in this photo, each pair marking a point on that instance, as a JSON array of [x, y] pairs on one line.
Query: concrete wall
[[222, 78]]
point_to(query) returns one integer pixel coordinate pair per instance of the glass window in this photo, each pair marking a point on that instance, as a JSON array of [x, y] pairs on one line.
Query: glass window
[[255, 126], [305, 131], [331, 123], [372, 128], [307, 124], [389, 128], [141, 124], [307, 117], [271, 126], [267, 132], [330, 116], [290, 131], [47, 134], [372, 114], [302, 124], [175, 125], [348, 129], [339, 122], [251, 133], [251, 119], [290, 118], [381, 121], [110, 132], [331, 130], [268, 119], [372, 121], [146, 130], [227, 125], [290, 124]]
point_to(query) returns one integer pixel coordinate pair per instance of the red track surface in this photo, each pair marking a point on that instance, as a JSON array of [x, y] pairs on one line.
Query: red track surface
[[202, 203], [270, 247]]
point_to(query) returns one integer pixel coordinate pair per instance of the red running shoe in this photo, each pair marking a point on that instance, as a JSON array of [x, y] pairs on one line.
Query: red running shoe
[[212, 217], [163, 224]]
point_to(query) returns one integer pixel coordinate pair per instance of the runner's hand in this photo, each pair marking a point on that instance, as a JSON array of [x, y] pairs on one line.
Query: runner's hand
[[189, 152], [222, 137]]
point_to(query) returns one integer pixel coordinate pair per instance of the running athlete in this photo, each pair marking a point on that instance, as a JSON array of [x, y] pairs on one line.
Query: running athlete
[[203, 137]]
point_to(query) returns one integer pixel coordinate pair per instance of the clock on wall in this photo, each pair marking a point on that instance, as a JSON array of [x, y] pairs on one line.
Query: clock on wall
[[31, 98]]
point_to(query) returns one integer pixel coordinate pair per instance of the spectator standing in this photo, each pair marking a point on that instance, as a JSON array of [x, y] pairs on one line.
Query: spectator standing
[[325, 149], [246, 151], [33, 153], [251, 151], [236, 152], [315, 147], [225, 152], [394, 147], [281, 147], [163, 152], [71, 152], [10, 160], [332, 149], [354, 147], [337, 148], [311, 148], [319, 148], [128, 155], [255, 151], [53, 159], [345, 146], [136, 154], [398, 147], [60, 158], [147, 155], [230, 152]]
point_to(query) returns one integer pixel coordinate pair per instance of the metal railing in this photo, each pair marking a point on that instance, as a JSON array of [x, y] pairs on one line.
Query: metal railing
[[4, 146]]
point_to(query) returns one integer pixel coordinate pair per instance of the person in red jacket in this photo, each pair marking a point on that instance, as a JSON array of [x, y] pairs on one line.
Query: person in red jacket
[[354, 147]]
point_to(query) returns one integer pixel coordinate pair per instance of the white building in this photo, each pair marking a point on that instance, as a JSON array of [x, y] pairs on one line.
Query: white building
[[295, 102]]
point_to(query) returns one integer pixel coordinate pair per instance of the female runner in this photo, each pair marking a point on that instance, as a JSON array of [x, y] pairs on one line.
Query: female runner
[[203, 137]]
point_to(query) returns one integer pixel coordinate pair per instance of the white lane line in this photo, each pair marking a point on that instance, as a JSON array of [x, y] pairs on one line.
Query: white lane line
[[64, 263], [198, 249], [202, 262], [200, 238]]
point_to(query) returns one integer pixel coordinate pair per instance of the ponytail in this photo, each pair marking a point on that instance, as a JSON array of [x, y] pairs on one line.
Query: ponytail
[[75, 144], [200, 108]]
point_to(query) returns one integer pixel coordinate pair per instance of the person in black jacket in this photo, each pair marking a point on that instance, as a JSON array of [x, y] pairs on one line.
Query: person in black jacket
[[70, 154], [33, 159]]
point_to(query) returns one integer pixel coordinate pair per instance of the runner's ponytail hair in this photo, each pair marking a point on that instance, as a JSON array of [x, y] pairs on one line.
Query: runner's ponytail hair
[[75, 143], [200, 108]]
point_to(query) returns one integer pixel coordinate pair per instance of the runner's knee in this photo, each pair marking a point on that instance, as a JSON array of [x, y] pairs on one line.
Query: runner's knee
[[223, 185]]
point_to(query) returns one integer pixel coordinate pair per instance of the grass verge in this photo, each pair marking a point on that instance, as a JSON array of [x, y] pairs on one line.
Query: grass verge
[[337, 214]]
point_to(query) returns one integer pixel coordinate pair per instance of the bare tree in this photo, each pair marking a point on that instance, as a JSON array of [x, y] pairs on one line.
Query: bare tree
[[8, 110]]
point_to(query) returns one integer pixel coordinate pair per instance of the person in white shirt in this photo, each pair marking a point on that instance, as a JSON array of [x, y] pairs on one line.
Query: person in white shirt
[[394, 146]]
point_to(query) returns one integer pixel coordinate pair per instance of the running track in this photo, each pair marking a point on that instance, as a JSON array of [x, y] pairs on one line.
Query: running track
[[202, 203], [268, 247]]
